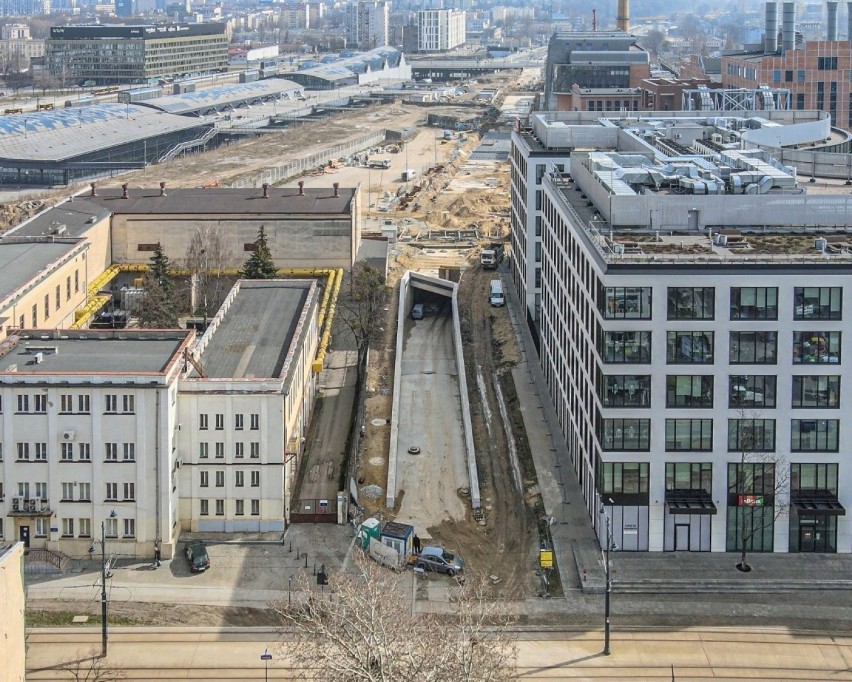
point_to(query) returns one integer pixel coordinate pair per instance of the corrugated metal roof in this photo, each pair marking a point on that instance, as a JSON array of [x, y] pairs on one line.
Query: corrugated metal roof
[[220, 97]]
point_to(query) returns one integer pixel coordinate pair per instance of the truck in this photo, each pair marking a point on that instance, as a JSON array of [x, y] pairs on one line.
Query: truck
[[408, 174], [379, 163], [492, 256]]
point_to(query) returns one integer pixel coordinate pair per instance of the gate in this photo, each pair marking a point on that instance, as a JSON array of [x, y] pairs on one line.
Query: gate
[[315, 511]]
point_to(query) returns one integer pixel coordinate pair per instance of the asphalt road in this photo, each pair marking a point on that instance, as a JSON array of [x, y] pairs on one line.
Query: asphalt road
[[234, 654]]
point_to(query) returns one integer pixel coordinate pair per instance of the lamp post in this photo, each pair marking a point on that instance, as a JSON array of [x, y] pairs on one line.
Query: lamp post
[[266, 657], [609, 545], [103, 584]]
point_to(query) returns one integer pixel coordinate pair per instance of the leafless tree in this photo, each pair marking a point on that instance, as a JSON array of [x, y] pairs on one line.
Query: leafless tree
[[762, 482], [363, 627], [362, 311], [207, 256], [92, 668]]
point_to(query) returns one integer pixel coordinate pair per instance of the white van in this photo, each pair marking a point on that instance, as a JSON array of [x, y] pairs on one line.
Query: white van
[[497, 299]]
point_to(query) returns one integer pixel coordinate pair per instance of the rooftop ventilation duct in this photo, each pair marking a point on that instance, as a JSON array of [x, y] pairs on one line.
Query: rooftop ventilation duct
[[770, 37], [788, 27]]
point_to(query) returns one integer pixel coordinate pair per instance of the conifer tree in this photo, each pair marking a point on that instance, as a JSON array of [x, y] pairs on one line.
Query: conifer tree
[[260, 264]]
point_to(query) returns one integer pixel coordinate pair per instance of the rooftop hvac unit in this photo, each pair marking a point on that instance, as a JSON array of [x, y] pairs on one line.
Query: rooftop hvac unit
[[618, 249], [716, 137], [721, 239], [68, 435], [820, 244]]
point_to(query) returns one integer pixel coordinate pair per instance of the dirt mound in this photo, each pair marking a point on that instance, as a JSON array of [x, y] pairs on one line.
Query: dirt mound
[[12, 214]]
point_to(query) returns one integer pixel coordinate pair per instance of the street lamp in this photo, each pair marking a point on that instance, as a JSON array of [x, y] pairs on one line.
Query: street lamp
[[266, 657], [103, 584], [610, 545]]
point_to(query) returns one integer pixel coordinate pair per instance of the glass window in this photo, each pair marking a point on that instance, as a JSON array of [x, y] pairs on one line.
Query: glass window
[[691, 303], [751, 506], [813, 477], [689, 348], [689, 391], [814, 435], [626, 347], [811, 347], [626, 390], [627, 303], [817, 303], [755, 390], [684, 435], [751, 436], [626, 434], [624, 477], [689, 476], [754, 303], [753, 348], [816, 391]]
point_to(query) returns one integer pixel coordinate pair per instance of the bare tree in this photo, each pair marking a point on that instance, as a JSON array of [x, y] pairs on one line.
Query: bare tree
[[208, 254], [761, 484], [363, 628], [362, 311], [92, 668]]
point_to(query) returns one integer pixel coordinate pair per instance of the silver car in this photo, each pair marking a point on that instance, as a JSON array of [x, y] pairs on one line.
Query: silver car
[[439, 560]]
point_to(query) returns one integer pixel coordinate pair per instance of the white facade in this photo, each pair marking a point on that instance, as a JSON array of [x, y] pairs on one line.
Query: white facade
[[368, 24], [696, 371], [440, 30]]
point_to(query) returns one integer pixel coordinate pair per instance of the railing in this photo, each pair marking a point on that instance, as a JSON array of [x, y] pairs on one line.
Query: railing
[[189, 144], [36, 560]]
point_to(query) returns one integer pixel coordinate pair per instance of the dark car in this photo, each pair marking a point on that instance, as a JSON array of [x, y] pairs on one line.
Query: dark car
[[196, 554]]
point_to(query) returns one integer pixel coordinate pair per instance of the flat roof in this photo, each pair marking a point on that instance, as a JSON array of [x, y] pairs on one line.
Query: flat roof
[[71, 218], [21, 261], [254, 337], [224, 96], [91, 351], [225, 200]]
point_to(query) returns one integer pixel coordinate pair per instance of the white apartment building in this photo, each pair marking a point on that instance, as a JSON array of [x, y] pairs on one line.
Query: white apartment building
[[368, 23], [439, 30], [692, 337]]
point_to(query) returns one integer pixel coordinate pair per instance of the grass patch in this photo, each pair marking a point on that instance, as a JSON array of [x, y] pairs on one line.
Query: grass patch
[[61, 619]]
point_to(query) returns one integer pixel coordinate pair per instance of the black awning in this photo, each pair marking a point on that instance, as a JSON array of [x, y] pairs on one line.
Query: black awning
[[817, 502], [690, 502]]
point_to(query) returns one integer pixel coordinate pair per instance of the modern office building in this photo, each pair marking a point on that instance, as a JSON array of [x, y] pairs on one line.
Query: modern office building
[[591, 59], [368, 24], [692, 306], [440, 30], [817, 72], [123, 54]]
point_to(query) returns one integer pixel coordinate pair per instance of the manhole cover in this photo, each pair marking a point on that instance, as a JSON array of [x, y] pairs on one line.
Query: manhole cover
[[377, 461], [379, 422]]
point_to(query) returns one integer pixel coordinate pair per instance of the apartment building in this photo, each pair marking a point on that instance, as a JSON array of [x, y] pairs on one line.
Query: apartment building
[[692, 337], [368, 24], [440, 30], [120, 54], [17, 48]]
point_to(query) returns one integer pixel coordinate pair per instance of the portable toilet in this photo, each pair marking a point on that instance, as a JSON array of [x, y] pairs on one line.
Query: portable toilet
[[400, 536], [370, 530]]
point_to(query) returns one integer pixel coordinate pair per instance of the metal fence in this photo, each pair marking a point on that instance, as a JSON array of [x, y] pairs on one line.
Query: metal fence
[[284, 171]]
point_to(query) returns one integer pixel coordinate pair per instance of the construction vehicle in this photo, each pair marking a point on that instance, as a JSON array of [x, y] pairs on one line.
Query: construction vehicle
[[492, 255], [379, 163]]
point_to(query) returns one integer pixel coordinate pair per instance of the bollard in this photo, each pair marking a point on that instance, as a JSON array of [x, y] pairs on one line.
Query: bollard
[[306, 559], [315, 568], [291, 547]]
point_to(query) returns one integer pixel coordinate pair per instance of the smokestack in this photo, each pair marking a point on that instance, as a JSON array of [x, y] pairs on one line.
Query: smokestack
[[336, 186], [265, 190], [788, 27], [831, 20], [770, 36], [124, 191], [849, 21], [163, 189], [301, 188], [93, 185], [622, 21]]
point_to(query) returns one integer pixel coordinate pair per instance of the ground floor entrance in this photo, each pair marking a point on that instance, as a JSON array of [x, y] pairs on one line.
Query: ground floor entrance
[[813, 533]]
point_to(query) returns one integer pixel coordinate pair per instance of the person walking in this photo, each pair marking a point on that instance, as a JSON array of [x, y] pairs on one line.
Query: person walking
[[157, 554], [416, 544]]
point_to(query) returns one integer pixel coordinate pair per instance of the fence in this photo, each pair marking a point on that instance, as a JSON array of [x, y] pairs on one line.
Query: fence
[[284, 171], [315, 511]]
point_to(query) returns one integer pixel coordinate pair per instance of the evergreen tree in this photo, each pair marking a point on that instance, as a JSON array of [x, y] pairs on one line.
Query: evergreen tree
[[260, 264], [159, 308]]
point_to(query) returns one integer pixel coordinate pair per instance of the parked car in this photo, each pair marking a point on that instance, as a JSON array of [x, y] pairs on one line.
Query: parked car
[[439, 560], [196, 554]]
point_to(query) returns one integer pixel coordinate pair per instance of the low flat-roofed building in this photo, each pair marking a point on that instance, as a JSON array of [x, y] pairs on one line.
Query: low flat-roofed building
[[13, 648], [245, 410], [89, 425]]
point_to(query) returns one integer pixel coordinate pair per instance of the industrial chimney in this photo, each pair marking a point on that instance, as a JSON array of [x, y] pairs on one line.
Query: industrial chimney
[[831, 20], [622, 21], [788, 27], [849, 21], [770, 36]]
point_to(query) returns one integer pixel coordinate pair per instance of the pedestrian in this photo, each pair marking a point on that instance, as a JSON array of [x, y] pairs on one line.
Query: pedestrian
[[157, 554], [416, 544]]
